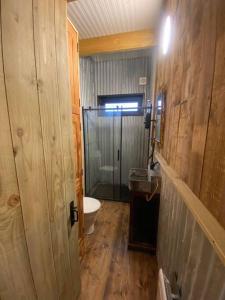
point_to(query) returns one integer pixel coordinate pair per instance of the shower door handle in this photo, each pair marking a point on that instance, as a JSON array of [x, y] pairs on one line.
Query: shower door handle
[[118, 154]]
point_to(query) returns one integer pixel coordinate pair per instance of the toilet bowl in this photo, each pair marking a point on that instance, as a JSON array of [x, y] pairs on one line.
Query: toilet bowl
[[91, 206]]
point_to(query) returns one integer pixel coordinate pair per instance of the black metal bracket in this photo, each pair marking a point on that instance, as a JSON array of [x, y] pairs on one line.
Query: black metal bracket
[[118, 154], [73, 213]]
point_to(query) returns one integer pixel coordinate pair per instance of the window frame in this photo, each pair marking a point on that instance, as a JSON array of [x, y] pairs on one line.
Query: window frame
[[121, 98]]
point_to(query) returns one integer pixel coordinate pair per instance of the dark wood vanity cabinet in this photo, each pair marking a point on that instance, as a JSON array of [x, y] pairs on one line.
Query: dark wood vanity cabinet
[[143, 221]]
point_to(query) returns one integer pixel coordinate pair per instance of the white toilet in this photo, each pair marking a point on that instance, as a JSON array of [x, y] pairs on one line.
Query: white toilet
[[91, 206]]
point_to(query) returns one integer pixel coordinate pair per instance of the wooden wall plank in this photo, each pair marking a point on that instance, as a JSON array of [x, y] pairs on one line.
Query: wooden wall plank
[[199, 45], [21, 87], [213, 178], [188, 81], [73, 53], [15, 273], [38, 248], [193, 74], [78, 172], [74, 67], [45, 52], [67, 131]]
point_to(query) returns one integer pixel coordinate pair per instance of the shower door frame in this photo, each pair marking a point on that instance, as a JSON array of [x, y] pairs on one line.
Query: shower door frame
[[144, 108]]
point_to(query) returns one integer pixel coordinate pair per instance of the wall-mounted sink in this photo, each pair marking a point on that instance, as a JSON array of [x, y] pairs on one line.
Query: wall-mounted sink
[[138, 174], [138, 180]]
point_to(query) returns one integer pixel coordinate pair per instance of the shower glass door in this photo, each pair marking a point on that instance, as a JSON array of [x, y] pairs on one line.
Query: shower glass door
[[102, 145], [115, 141]]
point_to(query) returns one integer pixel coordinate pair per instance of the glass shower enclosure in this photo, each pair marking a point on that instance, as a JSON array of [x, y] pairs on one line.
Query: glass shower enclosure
[[113, 143]]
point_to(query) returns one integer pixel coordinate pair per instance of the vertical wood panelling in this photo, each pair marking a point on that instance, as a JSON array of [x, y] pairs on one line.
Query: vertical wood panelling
[[76, 118], [76, 109], [67, 135], [184, 250], [21, 86], [74, 67], [15, 272], [213, 178], [193, 74], [38, 247], [204, 37], [45, 51]]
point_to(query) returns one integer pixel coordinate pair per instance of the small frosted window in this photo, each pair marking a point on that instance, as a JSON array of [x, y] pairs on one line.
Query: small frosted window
[[125, 105], [129, 106]]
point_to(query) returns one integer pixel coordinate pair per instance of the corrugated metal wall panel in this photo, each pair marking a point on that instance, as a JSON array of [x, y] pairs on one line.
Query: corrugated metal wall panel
[[184, 249], [115, 74], [92, 158], [123, 55], [87, 82], [134, 145], [119, 74], [94, 18]]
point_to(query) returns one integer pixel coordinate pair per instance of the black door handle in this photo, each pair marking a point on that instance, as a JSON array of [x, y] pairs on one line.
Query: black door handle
[[73, 213], [118, 154]]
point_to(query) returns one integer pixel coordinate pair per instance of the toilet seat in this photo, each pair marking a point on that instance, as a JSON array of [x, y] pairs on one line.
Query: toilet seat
[[91, 205]]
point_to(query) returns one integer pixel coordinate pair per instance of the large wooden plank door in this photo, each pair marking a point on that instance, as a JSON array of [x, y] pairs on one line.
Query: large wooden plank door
[[39, 256], [24, 114], [75, 97]]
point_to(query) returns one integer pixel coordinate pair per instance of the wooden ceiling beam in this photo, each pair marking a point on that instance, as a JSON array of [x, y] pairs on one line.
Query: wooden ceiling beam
[[117, 42]]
